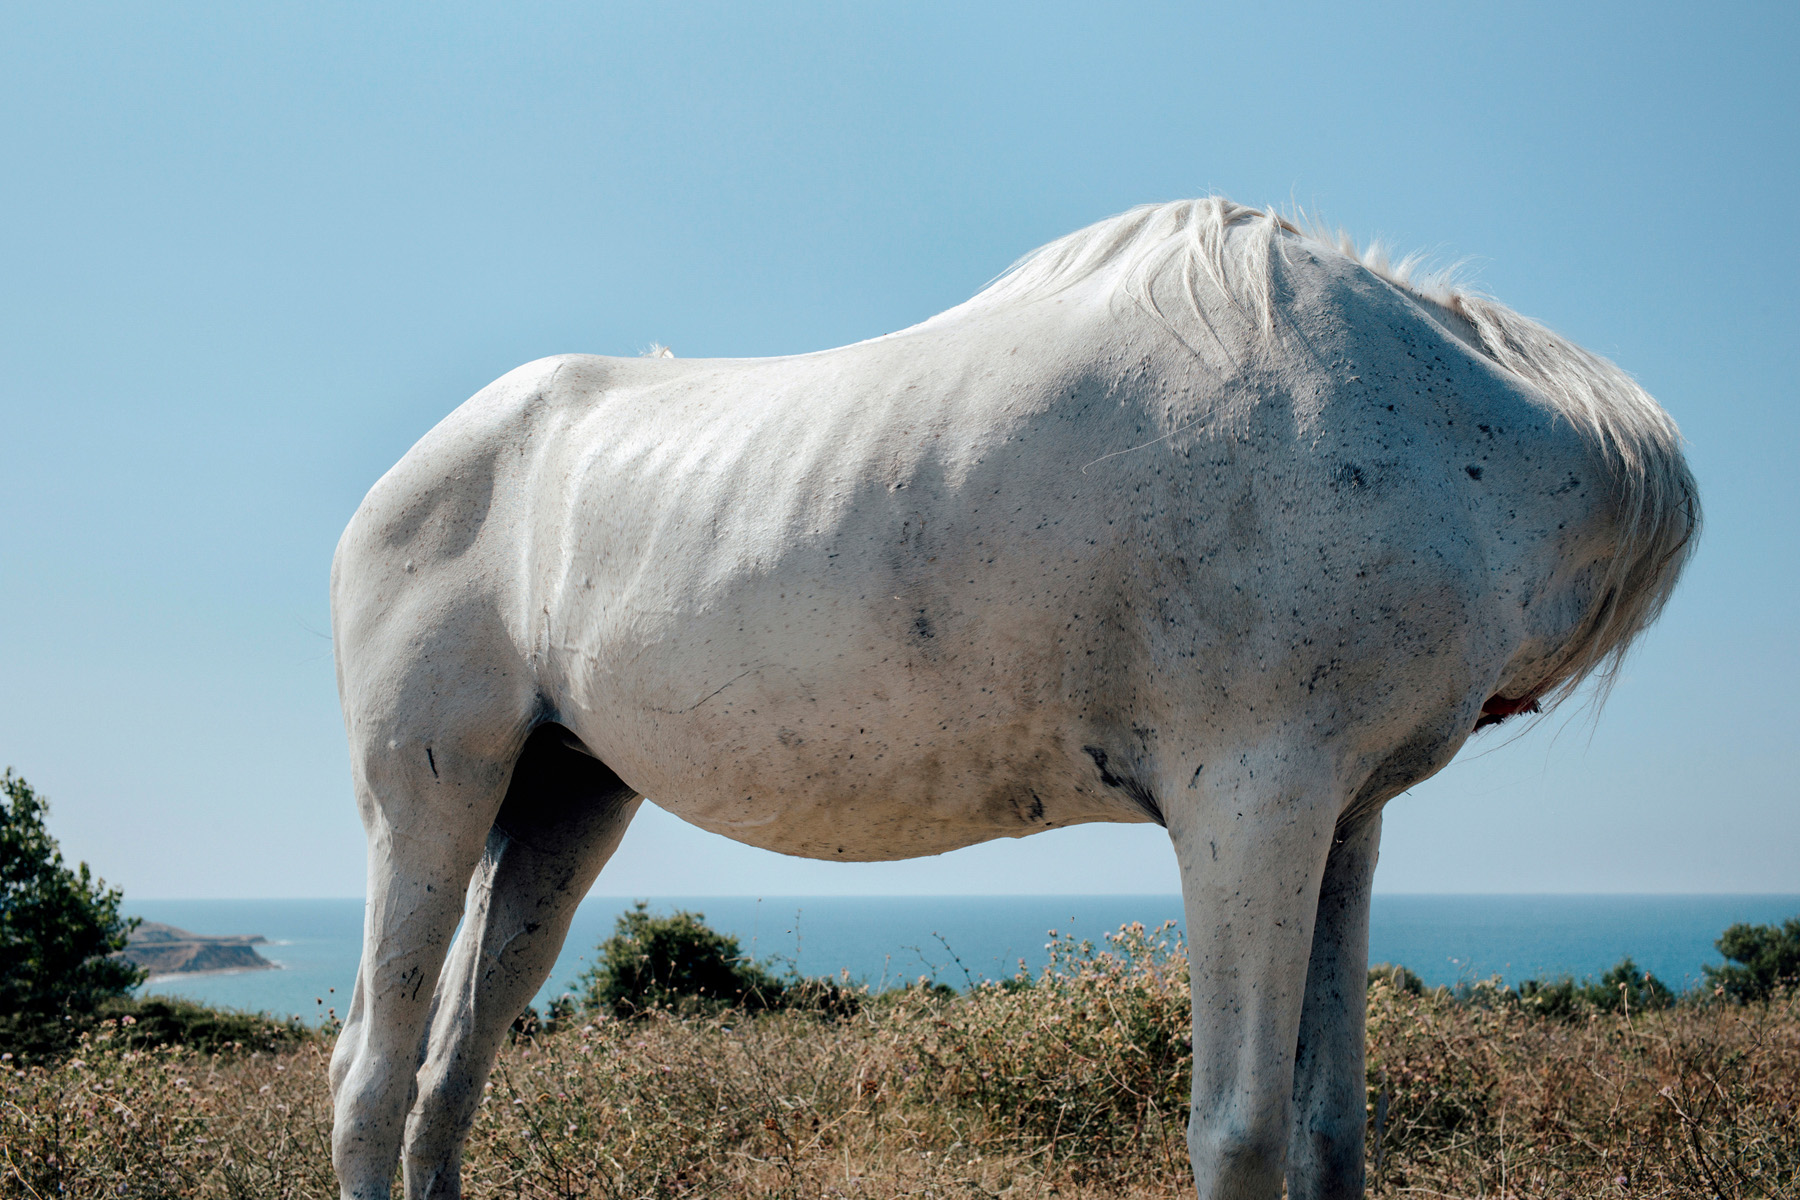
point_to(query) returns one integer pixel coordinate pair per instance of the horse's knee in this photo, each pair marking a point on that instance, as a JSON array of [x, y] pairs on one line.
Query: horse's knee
[[1233, 1161]]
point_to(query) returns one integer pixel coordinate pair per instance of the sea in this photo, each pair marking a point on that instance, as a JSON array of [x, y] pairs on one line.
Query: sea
[[959, 940]]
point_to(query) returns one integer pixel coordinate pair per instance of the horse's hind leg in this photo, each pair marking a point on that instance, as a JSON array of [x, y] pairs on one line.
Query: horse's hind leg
[[430, 761], [563, 817], [1325, 1147]]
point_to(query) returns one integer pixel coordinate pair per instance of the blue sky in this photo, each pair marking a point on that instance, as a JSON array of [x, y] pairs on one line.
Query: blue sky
[[249, 254]]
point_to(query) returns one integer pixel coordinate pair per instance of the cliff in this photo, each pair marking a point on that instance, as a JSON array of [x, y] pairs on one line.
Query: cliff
[[165, 950]]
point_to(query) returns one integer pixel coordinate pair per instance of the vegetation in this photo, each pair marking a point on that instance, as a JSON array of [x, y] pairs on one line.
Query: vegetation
[[59, 930], [60, 974], [1070, 1083], [1761, 958], [145, 1022], [1688, 1100], [682, 1068], [680, 964], [675, 962], [1624, 989]]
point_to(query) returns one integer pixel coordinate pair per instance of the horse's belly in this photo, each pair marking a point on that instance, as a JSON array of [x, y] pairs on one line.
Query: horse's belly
[[864, 771], [825, 806], [828, 663]]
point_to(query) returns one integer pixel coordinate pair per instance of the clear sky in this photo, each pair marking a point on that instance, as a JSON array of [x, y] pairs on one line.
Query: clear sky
[[250, 253]]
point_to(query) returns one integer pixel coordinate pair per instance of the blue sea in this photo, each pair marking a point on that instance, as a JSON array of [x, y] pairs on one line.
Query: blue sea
[[886, 940]]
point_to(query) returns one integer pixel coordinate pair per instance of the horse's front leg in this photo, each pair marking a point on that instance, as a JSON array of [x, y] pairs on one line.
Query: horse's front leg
[[1325, 1151], [1252, 849]]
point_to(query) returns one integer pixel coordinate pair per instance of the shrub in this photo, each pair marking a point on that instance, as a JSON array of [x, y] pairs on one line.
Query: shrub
[[1623, 988], [681, 964], [1469, 1098], [1089, 1063], [169, 1021], [1762, 958], [59, 931], [1396, 977], [675, 962]]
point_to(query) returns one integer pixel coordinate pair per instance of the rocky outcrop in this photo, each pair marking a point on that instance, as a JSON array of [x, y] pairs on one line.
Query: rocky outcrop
[[165, 950]]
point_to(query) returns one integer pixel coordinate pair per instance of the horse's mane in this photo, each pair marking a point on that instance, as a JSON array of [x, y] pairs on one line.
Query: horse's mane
[[1657, 502]]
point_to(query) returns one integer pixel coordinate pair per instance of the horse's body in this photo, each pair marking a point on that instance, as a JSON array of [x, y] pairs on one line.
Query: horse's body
[[1190, 520]]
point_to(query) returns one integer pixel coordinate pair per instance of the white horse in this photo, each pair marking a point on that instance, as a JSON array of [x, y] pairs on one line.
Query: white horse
[[1192, 517]]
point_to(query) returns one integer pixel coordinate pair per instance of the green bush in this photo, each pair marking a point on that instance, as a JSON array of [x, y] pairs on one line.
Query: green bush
[[169, 1021], [680, 963], [1762, 958], [1624, 988], [60, 930]]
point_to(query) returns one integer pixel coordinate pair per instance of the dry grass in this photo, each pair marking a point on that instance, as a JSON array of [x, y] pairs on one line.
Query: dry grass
[[1073, 1087], [1489, 1099]]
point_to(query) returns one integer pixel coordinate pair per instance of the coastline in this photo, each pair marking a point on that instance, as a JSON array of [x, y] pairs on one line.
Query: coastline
[[214, 972], [163, 950], [1443, 938]]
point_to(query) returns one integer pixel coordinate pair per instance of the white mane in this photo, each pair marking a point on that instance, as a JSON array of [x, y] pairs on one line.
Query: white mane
[[1658, 506]]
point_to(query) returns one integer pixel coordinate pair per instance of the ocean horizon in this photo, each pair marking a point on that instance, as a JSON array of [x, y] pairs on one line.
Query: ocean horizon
[[958, 940]]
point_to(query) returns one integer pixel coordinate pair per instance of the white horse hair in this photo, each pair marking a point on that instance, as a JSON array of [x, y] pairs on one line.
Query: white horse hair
[[1194, 517]]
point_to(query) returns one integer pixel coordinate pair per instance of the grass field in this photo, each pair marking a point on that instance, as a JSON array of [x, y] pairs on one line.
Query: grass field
[[1070, 1085]]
